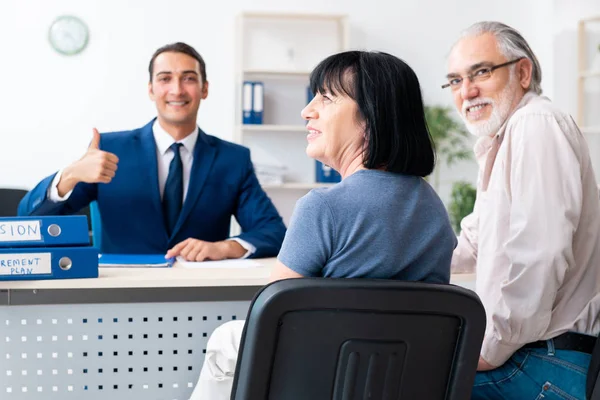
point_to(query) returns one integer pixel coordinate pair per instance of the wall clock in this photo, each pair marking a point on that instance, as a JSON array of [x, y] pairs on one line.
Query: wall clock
[[68, 35]]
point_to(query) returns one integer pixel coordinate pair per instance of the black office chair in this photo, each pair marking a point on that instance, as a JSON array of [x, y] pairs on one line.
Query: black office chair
[[9, 201], [347, 339]]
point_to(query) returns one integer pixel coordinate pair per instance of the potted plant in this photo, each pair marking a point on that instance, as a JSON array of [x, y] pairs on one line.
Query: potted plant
[[462, 200], [449, 137]]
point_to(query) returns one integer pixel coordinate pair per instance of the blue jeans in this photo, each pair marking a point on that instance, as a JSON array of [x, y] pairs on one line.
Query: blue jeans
[[535, 374]]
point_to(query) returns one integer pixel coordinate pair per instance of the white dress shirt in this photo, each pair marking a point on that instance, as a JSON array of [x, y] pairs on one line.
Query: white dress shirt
[[164, 156], [534, 235]]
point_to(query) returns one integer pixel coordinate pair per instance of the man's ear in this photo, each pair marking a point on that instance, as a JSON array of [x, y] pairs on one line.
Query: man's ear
[[205, 90], [150, 91], [524, 71]]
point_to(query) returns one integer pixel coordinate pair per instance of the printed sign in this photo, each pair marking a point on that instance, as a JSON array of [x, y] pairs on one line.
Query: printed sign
[[25, 264], [20, 231]]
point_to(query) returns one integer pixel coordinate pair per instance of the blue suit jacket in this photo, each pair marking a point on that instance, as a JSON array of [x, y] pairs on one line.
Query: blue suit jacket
[[222, 184]]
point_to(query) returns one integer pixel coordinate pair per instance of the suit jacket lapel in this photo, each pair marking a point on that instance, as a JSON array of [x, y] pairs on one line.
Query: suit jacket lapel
[[149, 164], [204, 155]]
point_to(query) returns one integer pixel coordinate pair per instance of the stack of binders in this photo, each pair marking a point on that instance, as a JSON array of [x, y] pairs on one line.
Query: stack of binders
[[46, 247], [252, 103]]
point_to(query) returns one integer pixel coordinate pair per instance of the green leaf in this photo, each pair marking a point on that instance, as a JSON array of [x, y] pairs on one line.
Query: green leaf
[[462, 201], [449, 135]]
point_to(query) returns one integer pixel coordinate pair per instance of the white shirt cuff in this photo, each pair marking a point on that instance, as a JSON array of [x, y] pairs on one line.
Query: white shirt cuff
[[495, 352], [53, 190], [248, 246]]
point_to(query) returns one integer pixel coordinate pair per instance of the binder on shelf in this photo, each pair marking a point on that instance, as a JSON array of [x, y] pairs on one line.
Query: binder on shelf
[[258, 98], [135, 261], [326, 174], [51, 230], [247, 102], [36, 263], [309, 95]]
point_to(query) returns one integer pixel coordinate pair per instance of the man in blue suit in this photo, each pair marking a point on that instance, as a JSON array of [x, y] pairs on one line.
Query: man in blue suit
[[167, 187]]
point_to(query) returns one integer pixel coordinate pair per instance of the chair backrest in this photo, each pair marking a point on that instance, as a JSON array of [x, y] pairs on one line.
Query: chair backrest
[[9, 201], [96, 223], [346, 339]]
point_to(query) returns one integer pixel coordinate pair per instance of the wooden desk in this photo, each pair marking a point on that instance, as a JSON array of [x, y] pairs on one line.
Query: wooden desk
[[129, 334], [243, 281], [173, 277], [157, 277]]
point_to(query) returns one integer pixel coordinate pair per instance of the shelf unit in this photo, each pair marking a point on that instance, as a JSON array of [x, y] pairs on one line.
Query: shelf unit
[[272, 128], [280, 50], [587, 73], [591, 129], [297, 186], [273, 72]]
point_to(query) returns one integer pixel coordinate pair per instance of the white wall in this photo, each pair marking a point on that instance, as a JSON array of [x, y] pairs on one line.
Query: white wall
[[564, 34], [51, 102]]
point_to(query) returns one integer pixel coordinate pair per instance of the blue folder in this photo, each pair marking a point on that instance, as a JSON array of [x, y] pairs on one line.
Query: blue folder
[[42, 231], [258, 99], [35, 263], [326, 174], [247, 102], [135, 261]]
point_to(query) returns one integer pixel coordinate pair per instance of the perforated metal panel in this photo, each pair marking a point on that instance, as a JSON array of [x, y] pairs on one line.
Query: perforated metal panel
[[150, 351]]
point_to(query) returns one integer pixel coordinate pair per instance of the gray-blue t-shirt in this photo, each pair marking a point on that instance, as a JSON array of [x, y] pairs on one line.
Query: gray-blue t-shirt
[[374, 224]]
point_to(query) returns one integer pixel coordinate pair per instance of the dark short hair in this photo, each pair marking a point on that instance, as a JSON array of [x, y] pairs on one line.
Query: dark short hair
[[179, 47], [389, 100]]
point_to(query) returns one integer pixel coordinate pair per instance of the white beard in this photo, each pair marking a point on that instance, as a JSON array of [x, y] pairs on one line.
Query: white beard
[[500, 111]]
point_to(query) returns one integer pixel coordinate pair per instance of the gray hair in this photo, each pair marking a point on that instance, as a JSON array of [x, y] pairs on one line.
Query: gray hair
[[512, 45]]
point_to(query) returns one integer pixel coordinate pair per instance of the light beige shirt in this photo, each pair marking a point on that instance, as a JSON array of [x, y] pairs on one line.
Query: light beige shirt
[[534, 235]]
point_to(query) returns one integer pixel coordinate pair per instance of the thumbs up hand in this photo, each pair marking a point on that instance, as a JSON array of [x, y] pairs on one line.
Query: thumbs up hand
[[95, 144], [95, 166]]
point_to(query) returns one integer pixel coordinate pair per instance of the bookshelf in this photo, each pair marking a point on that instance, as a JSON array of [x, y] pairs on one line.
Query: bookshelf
[[272, 128], [588, 99], [280, 50], [296, 186], [270, 73]]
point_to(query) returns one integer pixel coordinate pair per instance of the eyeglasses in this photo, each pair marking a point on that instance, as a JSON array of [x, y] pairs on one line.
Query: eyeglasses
[[477, 75]]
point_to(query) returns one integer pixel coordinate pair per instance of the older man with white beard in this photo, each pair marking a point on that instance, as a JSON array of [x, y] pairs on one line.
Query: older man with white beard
[[534, 235]]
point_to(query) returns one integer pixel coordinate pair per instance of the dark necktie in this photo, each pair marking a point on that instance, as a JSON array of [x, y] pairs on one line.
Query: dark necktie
[[173, 194]]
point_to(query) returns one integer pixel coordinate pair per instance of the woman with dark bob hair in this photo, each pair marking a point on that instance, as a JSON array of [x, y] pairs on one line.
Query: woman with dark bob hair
[[383, 220]]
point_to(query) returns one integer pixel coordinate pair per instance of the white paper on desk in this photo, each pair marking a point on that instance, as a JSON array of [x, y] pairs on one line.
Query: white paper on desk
[[217, 264]]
